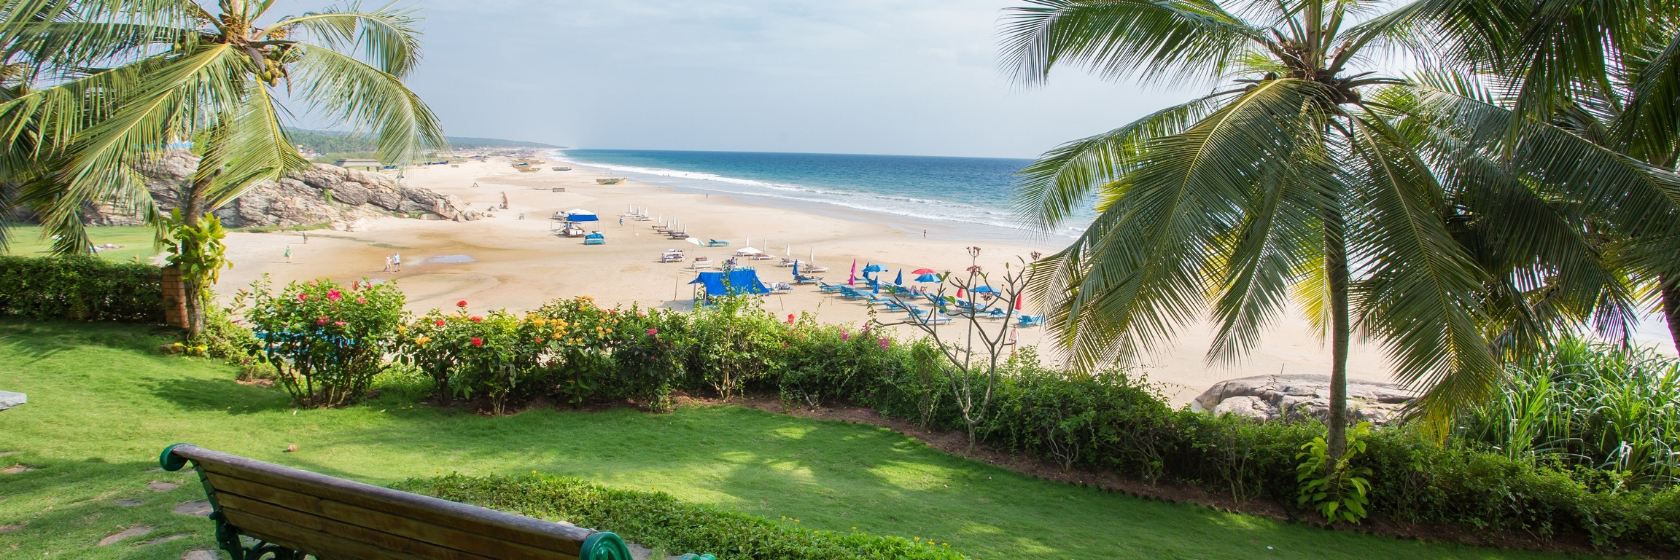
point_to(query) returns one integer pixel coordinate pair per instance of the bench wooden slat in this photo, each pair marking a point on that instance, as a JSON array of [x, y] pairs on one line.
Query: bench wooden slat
[[314, 542], [535, 533], [242, 494], [238, 507]]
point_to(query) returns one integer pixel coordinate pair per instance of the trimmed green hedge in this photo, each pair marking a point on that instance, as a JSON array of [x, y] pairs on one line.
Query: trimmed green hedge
[[656, 519], [80, 287]]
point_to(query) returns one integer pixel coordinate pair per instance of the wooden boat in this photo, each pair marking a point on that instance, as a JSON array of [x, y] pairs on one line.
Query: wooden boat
[[529, 169], [609, 180]]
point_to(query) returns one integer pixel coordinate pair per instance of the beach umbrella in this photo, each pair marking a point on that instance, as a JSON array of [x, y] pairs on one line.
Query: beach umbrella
[[900, 280], [852, 280], [984, 290], [959, 293], [927, 278], [923, 271], [795, 269], [1017, 302], [876, 287], [697, 242], [874, 268]]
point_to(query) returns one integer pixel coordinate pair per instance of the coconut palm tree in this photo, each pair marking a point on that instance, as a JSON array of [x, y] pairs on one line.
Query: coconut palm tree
[[1308, 174], [120, 80]]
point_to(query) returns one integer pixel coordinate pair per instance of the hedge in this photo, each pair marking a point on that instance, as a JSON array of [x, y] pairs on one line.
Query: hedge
[[80, 287], [1111, 421], [655, 519]]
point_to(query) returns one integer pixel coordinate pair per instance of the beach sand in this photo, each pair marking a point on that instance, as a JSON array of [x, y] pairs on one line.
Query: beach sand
[[513, 260]]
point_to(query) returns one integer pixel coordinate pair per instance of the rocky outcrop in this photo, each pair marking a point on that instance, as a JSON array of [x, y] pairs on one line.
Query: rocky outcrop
[[1271, 397], [347, 199]]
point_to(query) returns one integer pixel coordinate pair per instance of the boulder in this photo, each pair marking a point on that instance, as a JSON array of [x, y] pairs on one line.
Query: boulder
[[1271, 397], [349, 194]]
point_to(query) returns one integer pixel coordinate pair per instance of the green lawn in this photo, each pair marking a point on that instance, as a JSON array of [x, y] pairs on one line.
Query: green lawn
[[103, 403], [136, 242]]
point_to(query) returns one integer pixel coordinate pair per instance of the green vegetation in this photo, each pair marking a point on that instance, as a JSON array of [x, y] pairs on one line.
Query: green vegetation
[[136, 242], [344, 144], [1595, 406], [80, 287], [103, 403], [1446, 210]]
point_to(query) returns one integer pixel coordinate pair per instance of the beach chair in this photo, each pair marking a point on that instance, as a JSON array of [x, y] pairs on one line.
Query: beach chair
[[1029, 321], [828, 288], [716, 243], [801, 279]]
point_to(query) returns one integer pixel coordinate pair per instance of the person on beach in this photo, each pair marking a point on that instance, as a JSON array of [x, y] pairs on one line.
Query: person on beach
[[387, 263], [396, 261], [306, 238], [1014, 337], [924, 234], [288, 254]]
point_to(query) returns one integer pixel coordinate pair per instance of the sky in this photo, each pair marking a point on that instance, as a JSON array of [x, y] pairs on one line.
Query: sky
[[906, 77]]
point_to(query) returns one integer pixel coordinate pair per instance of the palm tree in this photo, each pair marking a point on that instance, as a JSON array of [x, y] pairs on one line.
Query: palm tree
[[1307, 174], [123, 79]]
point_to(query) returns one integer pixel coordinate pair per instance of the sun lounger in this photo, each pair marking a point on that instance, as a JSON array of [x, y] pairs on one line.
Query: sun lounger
[[716, 243], [1029, 321]]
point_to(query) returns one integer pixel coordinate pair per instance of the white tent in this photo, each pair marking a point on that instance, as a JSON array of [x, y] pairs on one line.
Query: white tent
[[748, 251]]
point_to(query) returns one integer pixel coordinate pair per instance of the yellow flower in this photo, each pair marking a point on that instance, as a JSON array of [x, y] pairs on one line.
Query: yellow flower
[[401, 329], [422, 340]]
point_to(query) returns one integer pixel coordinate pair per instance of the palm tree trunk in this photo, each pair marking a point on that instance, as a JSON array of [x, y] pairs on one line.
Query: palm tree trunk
[[1671, 306], [1336, 271]]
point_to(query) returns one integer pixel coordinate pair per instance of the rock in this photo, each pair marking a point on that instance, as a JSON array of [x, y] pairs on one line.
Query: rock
[[9, 399], [202, 554], [1271, 397], [196, 509], [162, 486], [126, 534], [161, 540], [299, 199], [293, 447], [16, 469]]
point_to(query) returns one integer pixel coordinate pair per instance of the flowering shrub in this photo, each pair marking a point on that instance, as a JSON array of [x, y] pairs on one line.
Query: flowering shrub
[[326, 341]]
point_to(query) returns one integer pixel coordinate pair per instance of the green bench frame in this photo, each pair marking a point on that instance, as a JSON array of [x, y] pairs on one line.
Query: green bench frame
[[263, 509]]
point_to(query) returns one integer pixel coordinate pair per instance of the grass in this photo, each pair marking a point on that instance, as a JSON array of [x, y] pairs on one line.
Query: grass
[[103, 402], [136, 241]]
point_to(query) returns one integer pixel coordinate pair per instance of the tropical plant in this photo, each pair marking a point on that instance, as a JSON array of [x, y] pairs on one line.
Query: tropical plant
[[1334, 486], [108, 85], [325, 341], [1309, 175]]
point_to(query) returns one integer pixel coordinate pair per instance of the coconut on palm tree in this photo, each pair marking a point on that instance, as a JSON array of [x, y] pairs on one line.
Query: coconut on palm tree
[[117, 81], [1310, 174]]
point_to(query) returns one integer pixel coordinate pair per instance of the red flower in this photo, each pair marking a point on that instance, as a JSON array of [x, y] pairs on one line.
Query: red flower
[[334, 294], [361, 300], [477, 319], [340, 323], [440, 322], [462, 303], [539, 340], [321, 321], [303, 297], [476, 342], [652, 332]]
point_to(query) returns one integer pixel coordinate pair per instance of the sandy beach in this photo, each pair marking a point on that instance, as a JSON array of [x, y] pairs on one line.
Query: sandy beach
[[513, 259]]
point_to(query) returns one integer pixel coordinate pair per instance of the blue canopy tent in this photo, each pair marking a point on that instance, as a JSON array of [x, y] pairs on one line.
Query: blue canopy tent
[[728, 283], [581, 215]]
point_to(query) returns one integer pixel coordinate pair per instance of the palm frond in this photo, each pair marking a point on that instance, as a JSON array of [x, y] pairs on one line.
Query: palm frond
[[389, 37], [249, 148], [1062, 179], [354, 92], [1150, 39]]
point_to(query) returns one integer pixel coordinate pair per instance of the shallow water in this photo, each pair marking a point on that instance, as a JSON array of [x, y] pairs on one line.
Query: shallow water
[[450, 259]]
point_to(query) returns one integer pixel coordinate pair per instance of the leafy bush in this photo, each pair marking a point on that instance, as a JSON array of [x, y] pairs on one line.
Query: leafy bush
[[326, 342], [656, 519], [80, 287], [1597, 406]]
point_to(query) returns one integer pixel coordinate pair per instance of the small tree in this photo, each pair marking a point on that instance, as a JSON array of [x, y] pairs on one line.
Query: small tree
[[325, 341], [973, 350]]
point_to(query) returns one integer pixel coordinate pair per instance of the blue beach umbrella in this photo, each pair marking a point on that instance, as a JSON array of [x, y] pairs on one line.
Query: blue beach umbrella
[[984, 290], [900, 280], [874, 268], [928, 278]]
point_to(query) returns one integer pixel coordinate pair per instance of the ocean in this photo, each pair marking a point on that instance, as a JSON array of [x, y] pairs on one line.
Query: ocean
[[971, 196]]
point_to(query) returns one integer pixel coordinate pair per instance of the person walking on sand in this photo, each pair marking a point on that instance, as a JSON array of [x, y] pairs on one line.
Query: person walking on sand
[[288, 254], [306, 238], [387, 264], [924, 234], [396, 261], [1014, 337]]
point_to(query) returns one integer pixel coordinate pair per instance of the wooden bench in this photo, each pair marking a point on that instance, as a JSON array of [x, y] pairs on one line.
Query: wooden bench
[[290, 513]]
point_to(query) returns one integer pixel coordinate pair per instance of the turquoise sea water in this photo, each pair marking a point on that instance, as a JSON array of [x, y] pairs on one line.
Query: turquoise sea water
[[951, 191]]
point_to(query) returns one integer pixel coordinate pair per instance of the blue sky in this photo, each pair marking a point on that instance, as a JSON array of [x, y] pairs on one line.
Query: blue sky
[[860, 76]]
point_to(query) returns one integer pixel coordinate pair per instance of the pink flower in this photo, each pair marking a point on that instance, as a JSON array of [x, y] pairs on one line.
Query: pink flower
[[334, 294], [845, 335], [340, 323], [361, 300], [652, 332], [321, 321], [477, 342], [885, 342], [477, 319], [462, 303], [303, 297]]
